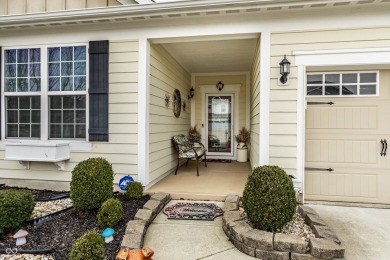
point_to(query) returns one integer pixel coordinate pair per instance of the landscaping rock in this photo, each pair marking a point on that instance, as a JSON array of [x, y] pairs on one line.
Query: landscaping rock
[[136, 227], [325, 232], [145, 215], [230, 216], [154, 205], [244, 248], [239, 229], [134, 241], [304, 210], [295, 256], [290, 243], [232, 198], [326, 249], [258, 239], [161, 196], [271, 255], [312, 220]]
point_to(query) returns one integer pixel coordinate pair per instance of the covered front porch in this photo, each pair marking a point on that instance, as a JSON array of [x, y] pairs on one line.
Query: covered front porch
[[214, 183]]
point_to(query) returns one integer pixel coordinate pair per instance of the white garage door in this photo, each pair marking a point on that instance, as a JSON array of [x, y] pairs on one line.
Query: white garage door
[[349, 137]]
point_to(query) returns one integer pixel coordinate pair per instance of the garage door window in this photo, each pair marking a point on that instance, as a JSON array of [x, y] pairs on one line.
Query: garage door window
[[342, 84]]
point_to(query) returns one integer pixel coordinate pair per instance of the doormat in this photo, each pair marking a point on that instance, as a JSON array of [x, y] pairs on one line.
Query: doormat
[[218, 160], [193, 211]]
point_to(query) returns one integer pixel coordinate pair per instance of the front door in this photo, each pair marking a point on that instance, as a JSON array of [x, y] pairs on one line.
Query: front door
[[219, 124]]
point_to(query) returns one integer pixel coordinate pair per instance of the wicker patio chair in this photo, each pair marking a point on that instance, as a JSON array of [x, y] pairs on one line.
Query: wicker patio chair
[[186, 150]]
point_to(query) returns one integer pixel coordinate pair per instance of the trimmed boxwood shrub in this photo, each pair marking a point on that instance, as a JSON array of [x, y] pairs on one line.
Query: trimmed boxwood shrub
[[89, 246], [16, 207], [269, 198], [134, 191], [91, 184], [110, 213]]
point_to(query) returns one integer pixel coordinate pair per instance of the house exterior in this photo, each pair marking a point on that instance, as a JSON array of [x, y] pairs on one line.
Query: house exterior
[[98, 78]]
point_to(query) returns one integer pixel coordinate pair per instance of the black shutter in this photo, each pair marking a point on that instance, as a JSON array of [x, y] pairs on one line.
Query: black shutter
[[98, 91]]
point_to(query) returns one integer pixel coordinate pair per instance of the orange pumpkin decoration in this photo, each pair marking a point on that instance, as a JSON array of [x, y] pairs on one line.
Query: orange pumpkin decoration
[[127, 254]]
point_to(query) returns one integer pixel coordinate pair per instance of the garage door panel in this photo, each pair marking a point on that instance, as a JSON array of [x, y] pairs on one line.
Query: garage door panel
[[342, 117], [341, 151]]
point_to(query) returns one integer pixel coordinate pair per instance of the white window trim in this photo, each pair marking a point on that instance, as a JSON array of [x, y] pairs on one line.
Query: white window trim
[[74, 144], [358, 72]]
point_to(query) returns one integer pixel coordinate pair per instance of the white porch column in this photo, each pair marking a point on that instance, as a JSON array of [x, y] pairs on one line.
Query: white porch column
[[143, 110], [301, 106], [265, 72]]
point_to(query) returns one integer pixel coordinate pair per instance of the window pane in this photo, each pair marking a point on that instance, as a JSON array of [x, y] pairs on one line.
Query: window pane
[[350, 78], [12, 102], [66, 68], [79, 53], [80, 116], [35, 55], [22, 70], [55, 102], [24, 116], [67, 83], [55, 131], [36, 102], [22, 55], [367, 89], [68, 131], [332, 78], [332, 90], [79, 68], [80, 131], [36, 116], [24, 102], [80, 101], [54, 84], [12, 116], [67, 53], [349, 90], [22, 85], [24, 130], [69, 102], [54, 69], [367, 77], [314, 90], [314, 79], [54, 54], [55, 116], [12, 130], [35, 131], [10, 70], [79, 83], [10, 85], [68, 117], [35, 70], [35, 84], [10, 56]]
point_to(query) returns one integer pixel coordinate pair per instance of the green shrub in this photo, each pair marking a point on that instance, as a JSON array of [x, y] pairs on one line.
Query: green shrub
[[110, 213], [16, 207], [91, 184], [134, 191], [269, 198], [89, 246]]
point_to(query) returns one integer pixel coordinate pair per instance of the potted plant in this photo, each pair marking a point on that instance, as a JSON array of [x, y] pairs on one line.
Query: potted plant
[[242, 150], [193, 135]]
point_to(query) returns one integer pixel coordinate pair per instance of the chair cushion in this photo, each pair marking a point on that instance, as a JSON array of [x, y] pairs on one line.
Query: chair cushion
[[190, 153]]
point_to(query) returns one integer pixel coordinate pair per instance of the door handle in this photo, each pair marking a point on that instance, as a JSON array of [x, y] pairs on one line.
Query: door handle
[[383, 147], [385, 142]]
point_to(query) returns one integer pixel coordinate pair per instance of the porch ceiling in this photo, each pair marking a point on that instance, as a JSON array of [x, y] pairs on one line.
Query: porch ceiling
[[214, 55]]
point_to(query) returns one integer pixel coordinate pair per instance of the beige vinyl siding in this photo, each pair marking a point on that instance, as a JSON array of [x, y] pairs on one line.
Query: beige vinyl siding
[[254, 108], [283, 106], [122, 149], [9, 7], [166, 75]]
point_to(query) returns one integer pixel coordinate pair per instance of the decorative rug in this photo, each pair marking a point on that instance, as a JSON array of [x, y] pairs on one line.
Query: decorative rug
[[193, 211], [218, 160]]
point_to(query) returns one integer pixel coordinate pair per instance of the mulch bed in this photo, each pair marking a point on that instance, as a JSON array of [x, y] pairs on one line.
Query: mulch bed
[[61, 232]]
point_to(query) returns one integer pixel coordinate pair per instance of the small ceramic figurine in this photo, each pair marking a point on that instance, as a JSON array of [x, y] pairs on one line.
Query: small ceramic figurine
[[127, 254]]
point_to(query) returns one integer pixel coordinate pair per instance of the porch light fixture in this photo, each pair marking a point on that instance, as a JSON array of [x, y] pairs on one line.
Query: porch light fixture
[[192, 93], [220, 86], [284, 70]]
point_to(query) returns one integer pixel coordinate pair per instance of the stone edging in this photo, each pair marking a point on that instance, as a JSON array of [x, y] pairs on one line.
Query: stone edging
[[258, 243], [136, 229]]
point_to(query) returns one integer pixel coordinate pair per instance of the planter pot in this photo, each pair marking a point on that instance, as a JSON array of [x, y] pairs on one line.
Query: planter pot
[[242, 154]]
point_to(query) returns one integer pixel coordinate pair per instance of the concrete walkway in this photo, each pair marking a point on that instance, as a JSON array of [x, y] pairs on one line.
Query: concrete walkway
[[190, 239], [363, 232]]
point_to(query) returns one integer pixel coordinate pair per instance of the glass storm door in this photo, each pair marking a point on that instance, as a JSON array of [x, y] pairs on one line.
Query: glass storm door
[[219, 124]]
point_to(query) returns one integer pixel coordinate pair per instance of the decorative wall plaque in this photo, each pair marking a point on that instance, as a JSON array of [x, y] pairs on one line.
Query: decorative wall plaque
[[176, 103]]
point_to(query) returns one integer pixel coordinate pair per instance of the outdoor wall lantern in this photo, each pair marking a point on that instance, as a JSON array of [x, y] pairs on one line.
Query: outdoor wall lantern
[[284, 70], [220, 86], [192, 93]]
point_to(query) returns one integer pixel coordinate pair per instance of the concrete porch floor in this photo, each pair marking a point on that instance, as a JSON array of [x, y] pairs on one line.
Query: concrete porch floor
[[214, 183]]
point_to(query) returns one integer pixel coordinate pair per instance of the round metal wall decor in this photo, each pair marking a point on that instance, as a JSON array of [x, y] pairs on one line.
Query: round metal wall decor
[[176, 103]]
